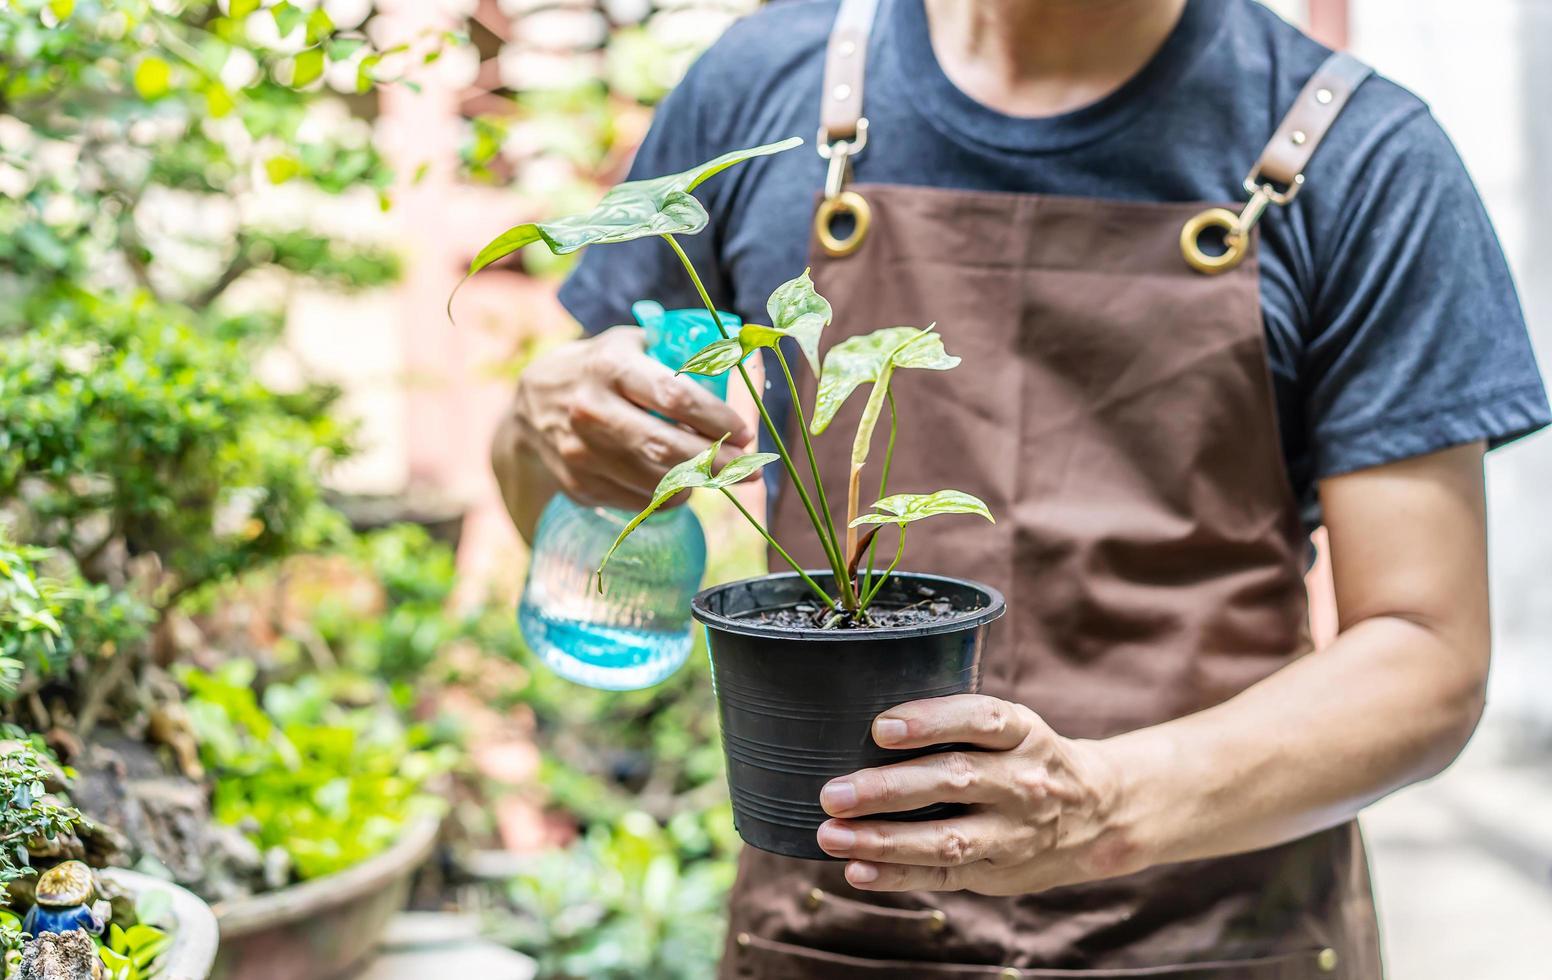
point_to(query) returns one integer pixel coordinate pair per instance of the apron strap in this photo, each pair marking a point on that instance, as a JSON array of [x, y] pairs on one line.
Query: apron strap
[[843, 129], [1323, 98], [1279, 171], [845, 64]]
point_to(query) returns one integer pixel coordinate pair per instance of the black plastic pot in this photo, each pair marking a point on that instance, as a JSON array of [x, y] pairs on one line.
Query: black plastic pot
[[797, 706]]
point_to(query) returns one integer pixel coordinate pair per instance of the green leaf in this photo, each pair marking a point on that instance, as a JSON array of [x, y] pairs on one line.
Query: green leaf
[[281, 169], [866, 359], [61, 9], [218, 101], [694, 473], [796, 310], [153, 907], [319, 26], [635, 209], [715, 358], [153, 77], [287, 17], [872, 359], [904, 508], [308, 67], [341, 48], [799, 312], [740, 469], [238, 9], [365, 77]]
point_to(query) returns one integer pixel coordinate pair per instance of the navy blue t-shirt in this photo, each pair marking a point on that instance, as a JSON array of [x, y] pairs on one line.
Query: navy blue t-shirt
[[1392, 323]]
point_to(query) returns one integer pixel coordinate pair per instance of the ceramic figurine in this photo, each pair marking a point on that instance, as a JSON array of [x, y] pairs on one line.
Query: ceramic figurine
[[64, 902]]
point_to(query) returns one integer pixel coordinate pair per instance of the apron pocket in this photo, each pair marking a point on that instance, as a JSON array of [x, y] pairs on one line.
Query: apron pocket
[[863, 929], [754, 958]]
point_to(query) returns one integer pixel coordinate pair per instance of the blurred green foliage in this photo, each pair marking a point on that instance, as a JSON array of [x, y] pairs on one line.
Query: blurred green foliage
[[398, 641], [113, 111], [26, 812], [130, 954], [631, 900], [53, 621], [134, 137], [329, 784], [126, 422]]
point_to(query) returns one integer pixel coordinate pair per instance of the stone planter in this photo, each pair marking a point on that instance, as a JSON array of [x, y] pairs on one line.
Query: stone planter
[[325, 929], [194, 930]]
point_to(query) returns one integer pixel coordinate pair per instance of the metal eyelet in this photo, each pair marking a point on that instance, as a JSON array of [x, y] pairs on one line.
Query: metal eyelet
[[1235, 242], [846, 202]]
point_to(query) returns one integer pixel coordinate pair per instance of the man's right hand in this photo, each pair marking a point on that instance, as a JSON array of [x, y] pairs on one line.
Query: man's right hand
[[581, 423]]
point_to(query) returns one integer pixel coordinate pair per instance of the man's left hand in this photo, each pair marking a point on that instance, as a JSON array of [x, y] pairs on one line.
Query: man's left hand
[[1042, 808]]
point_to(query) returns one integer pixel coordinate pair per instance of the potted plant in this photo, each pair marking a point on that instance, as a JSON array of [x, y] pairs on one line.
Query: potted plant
[[802, 660], [146, 928]]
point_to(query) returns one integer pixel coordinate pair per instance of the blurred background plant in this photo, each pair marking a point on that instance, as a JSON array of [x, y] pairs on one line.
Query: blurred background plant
[[256, 675]]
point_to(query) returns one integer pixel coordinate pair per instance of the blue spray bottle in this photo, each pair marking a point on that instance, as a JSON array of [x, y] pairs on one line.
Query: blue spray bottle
[[639, 631]]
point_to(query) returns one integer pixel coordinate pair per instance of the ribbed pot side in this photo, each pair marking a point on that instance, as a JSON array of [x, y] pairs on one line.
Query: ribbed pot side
[[797, 706]]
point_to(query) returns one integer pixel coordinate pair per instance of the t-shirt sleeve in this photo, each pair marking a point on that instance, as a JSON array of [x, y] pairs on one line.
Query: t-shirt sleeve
[[1417, 339], [609, 278]]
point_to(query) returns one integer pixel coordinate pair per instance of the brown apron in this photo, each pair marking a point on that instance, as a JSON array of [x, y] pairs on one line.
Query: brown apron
[[1115, 410]]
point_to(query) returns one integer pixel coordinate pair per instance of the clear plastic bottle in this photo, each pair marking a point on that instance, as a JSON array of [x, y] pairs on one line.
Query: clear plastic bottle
[[639, 631]]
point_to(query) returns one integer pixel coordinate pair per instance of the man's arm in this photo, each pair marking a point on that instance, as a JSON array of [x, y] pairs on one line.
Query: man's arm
[[1391, 701]]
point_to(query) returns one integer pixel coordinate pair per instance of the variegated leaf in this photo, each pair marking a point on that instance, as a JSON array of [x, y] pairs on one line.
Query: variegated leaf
[[866, 359], [799, 312], [692, 474], [905, 508], [635, 209]]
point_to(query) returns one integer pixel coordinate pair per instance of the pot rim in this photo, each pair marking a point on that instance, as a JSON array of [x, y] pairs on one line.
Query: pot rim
[[266, 910], [195, 933], [994, 609]]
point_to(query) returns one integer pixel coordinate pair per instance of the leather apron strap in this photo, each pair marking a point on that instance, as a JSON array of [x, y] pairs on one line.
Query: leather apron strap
[[1279, 171], [843, 129], [845, 67]]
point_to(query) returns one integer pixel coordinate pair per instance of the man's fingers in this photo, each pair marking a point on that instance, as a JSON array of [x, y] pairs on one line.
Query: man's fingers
[[631, 446], [975, 718], [947, 777], [871, 877], [981, 835], [657, 389]]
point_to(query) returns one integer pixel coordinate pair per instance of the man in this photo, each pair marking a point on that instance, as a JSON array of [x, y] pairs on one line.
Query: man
[[1163, 777]]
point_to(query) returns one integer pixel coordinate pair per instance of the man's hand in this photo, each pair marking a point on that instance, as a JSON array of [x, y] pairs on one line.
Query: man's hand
[[1040, 804], [580, 423], [1390, 702]]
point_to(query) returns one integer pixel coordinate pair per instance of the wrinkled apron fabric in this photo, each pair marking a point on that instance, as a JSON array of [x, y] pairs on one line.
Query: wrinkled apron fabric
[[1115, 411]]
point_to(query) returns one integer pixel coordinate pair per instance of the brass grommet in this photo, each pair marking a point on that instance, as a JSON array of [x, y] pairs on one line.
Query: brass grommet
[[1323, 96], [1235, 244], [937, 920], [815, 898], [1326, 959], [1299, 137], [743, 939], [1009, 973], [846, 202]]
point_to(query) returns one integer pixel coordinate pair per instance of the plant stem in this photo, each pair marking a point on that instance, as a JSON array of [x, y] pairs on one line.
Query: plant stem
[[829, 602], [808, 446], [837, 562], [883, 482], [899, 550]]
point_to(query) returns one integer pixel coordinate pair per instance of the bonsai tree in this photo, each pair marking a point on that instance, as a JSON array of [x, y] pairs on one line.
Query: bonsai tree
[[665, 207], [29, 814], [114, 107], [141, 444]]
